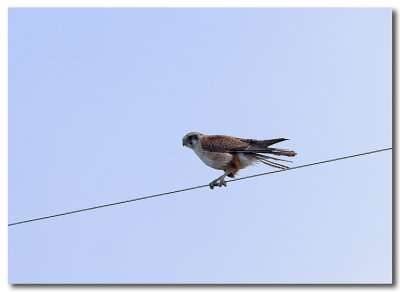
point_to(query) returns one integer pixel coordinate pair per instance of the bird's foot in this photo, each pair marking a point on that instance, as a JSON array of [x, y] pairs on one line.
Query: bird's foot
[[219, 182]]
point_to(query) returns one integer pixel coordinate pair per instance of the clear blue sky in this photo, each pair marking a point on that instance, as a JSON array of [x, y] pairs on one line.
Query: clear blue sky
[[99, 100]]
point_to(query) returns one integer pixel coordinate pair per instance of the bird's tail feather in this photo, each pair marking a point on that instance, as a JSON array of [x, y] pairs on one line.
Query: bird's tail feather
[[270, 157], [277, 151], [265, 159], [273, 164], [274, 151]]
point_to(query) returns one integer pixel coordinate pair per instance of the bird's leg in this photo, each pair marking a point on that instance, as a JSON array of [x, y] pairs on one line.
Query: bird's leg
[[219, 181]]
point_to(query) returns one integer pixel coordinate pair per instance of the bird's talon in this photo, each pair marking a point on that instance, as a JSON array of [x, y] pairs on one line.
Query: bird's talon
[[215, 183]]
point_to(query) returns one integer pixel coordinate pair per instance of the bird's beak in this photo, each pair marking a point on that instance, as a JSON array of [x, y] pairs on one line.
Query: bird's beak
[[184, 143]]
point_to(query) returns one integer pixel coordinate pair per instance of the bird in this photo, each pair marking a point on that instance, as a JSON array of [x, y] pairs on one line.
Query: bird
[[231, 154]]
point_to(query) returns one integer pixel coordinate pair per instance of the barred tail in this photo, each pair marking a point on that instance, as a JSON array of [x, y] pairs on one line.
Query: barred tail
[[274, 151], [277, 151]]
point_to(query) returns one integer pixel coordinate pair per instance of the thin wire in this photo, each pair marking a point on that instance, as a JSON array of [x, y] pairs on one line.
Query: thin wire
[[197, 187]]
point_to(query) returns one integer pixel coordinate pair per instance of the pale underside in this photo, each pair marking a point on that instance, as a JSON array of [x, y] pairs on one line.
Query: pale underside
[[221, 160]]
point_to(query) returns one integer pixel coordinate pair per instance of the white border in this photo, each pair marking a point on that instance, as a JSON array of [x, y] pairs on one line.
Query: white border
[[4, 5], [203, 3]]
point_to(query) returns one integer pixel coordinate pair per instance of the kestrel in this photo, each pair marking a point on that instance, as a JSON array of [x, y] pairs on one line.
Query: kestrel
[[231, 154]]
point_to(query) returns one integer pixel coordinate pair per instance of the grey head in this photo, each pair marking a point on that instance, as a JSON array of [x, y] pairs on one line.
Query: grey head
[[191, 139]]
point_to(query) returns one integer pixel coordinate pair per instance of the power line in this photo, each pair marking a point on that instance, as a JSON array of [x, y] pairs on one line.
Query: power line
[[197, 187]]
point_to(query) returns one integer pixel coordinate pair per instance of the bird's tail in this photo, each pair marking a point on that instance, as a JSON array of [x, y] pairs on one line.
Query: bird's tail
[[274, 151], [277, 151], [262, 146], [257, 147]]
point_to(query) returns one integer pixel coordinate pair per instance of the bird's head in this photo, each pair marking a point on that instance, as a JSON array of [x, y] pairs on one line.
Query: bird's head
[[192, 139]]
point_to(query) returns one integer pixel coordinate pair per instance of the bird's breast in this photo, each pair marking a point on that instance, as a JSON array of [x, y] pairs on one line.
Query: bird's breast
[[217, 160]]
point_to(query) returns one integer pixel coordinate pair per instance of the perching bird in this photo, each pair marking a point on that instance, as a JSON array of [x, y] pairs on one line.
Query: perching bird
[[231, 154]]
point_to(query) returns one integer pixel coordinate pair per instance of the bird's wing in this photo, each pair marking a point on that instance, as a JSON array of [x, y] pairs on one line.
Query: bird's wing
[[220, 143], [263, 143]]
